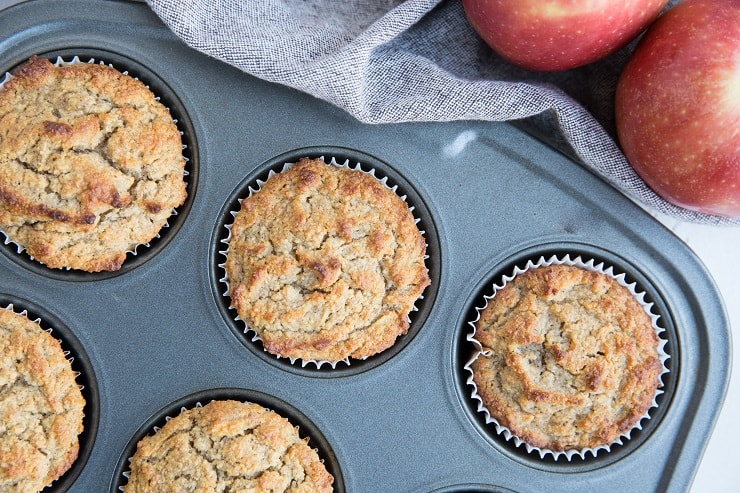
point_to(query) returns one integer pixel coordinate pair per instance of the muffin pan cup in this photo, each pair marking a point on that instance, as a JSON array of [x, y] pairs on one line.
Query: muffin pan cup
[[350, 159], [143, 251], [493, 195], [306, 429], [478, 350], [81, 365]]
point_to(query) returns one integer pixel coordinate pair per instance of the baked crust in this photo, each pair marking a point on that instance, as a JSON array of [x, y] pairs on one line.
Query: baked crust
[[227, 446], [41, 407], [91, 165], [571, 358], [325, 263]]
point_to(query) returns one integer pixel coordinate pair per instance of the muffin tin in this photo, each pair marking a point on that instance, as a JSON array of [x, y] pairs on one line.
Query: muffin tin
[[158, 335]]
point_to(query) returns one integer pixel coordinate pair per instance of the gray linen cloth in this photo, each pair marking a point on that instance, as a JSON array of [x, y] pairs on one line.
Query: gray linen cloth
[[387, 61]]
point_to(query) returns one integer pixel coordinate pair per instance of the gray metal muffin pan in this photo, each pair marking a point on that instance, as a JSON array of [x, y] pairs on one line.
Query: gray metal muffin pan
[[159, 335]]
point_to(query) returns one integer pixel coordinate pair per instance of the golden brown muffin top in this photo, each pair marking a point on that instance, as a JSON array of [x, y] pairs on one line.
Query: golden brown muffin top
[[570, 358], [325, 263], [91, 164], [227, 445], [41, 407]]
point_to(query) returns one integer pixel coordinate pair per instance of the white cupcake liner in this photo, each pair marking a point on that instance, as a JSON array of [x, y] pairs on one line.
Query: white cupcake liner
[[594, 266], [224, 280], [60, 62]]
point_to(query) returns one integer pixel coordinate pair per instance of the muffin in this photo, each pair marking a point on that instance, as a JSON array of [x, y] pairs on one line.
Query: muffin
[[227, 445], [91, 164], [41, 407], [570, 358], [325, 263]]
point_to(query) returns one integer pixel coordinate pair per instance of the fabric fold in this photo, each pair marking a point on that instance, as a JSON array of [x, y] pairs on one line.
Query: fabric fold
[[393, 61]]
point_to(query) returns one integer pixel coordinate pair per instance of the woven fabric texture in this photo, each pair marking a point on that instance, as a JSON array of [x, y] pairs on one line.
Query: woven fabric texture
[[390, 61]]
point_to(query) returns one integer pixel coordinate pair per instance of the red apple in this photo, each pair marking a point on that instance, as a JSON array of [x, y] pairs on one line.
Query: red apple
[[677, 106], [548, 35]]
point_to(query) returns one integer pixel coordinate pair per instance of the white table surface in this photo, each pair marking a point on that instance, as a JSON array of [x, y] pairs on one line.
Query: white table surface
[[719, 250]]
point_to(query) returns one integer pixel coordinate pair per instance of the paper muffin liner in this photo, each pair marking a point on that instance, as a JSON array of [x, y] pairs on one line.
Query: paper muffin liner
[[75, 60], [591, 265], [164, 416], [86, 437], [251, 190]]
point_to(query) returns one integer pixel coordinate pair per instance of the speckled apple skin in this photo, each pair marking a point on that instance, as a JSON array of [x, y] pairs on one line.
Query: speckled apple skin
[[677, 106], [551, 35]]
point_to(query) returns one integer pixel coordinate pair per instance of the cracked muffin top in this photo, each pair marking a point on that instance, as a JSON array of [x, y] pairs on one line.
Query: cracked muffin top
[[224, 446], [41, 407], [570, 358], [91, 164], [325, 263]]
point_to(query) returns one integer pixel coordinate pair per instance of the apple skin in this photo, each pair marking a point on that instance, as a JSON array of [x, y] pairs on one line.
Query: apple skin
[[552, 35], [677, 106]]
